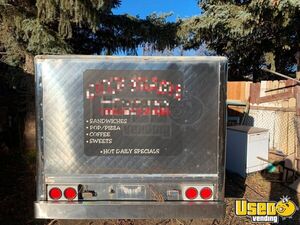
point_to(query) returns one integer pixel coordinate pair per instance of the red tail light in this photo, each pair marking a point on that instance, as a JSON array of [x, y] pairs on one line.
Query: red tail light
[[55, 193], [206, 193], [70, 193], [191, 193]]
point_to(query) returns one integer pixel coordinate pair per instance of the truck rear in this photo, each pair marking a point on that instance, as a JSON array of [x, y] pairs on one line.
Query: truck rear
[[130, 137]]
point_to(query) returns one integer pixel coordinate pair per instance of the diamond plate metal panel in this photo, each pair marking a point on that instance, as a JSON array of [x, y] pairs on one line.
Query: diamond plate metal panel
[[60, 94]]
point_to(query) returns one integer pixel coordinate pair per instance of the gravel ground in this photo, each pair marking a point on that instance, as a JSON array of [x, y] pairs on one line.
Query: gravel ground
[[17, 193]]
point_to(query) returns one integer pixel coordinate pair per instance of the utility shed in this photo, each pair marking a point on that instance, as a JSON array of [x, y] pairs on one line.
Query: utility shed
[[244, 145]]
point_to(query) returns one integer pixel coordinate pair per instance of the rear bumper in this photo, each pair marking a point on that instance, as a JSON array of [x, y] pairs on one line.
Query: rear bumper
[[128, 210]]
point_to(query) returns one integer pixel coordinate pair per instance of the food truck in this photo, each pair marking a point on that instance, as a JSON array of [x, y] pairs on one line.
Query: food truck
[[130, 137]]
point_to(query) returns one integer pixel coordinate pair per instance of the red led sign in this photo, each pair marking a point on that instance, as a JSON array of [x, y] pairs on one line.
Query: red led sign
[[110, 92]]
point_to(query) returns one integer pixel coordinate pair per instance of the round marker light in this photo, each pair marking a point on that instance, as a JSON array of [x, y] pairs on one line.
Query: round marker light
[[191, 193], [206, 193], [70, 193], [55, 193]]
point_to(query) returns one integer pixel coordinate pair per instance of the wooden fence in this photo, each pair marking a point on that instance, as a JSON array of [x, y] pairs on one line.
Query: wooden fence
[[268, 104]]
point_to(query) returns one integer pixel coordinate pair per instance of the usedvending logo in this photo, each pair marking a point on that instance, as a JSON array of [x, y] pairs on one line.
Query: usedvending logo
[[266, 211]]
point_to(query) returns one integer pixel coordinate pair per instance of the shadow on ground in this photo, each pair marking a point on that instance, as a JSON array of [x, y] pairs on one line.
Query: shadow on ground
[[17, 190]]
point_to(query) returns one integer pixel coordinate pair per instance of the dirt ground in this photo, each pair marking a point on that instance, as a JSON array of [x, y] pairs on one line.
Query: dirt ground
[[17, 193]]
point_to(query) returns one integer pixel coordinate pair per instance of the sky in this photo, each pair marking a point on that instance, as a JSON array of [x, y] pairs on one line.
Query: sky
[[179, 8], [142, 8]]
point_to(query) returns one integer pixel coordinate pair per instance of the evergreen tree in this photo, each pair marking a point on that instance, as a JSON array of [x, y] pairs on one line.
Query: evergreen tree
[[251, 33], [30, 27]]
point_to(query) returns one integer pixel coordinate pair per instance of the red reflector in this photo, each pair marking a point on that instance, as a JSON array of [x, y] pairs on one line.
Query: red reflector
[[191, 193], [206, 193], [70, 193], [55, 193]]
